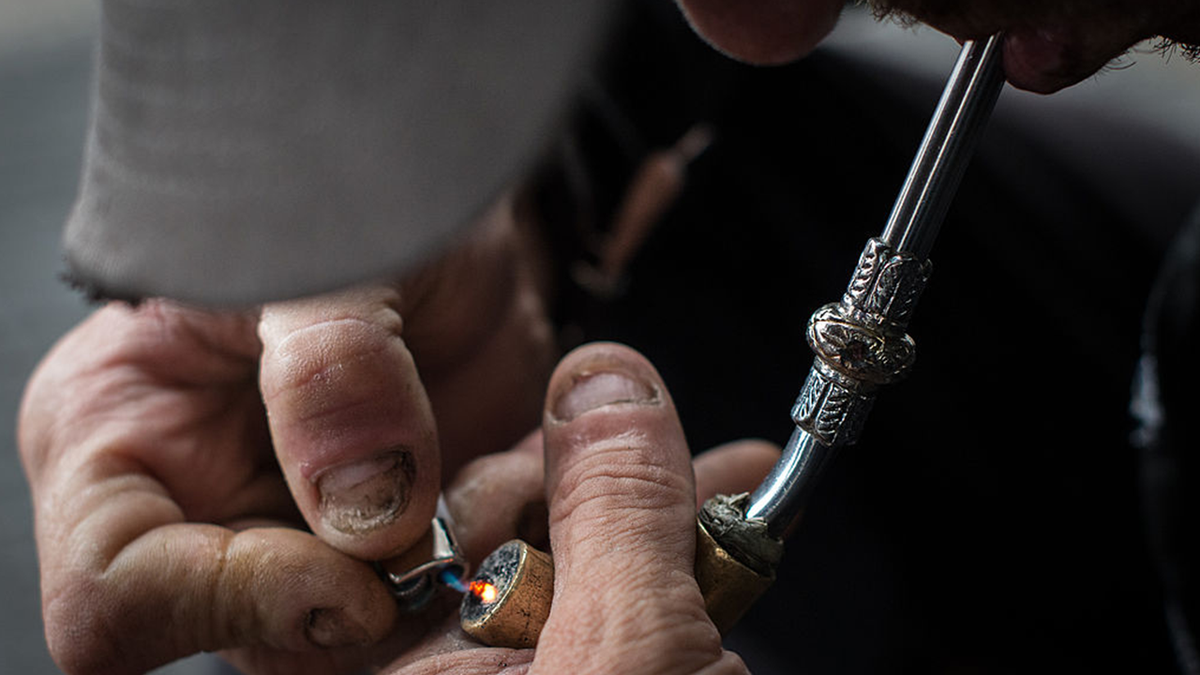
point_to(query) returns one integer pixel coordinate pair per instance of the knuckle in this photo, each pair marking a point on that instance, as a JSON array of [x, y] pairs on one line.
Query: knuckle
[[229, 591], [615, 481], [247, 608]]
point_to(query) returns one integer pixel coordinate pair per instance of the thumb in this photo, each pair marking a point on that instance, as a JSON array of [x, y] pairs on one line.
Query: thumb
[[622, 524], [350, 420]]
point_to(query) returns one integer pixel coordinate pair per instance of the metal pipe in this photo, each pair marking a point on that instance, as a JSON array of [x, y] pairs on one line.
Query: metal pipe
[[875, 311], [782, 494], [860, 345], [949, 143]]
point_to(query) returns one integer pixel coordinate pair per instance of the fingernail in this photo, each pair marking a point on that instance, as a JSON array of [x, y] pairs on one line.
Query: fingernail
[[596, 390], [366, 495], [328, 627]]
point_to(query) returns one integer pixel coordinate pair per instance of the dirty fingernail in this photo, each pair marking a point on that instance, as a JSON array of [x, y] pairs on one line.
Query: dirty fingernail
[[596, 390], [328, 627], [366, 495]]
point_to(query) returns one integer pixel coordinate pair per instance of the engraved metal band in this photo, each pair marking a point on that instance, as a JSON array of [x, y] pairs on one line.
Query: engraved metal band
[[860, 344]]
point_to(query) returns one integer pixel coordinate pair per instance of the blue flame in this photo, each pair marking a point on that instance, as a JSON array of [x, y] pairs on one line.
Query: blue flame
[[449, 577]]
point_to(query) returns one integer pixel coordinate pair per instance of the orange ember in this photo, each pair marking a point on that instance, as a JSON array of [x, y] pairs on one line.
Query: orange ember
[[484, 591]]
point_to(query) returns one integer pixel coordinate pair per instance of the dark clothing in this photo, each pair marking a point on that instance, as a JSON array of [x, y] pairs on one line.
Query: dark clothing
[[989, 520]]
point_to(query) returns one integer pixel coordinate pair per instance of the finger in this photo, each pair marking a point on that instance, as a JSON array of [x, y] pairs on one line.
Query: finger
[[622, 522], [350, 419], [765, 32], [128, 586], [500, 497], [139, 420], [733, 467]]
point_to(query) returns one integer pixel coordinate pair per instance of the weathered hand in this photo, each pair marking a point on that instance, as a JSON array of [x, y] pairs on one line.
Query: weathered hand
[[153, 438], [622, 513], [1049, 44]]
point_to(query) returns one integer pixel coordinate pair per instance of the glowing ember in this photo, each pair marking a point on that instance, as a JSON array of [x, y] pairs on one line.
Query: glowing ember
[[485, 591]]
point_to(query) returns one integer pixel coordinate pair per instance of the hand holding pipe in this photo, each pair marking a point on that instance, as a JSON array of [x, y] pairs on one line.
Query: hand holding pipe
[[509, 599], [860, 344]]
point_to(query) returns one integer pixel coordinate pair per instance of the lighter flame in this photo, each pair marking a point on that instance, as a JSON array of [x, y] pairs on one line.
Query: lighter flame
[[485, 591], [451, 579]]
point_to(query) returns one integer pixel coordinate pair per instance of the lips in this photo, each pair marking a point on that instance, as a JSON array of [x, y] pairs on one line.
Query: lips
[[1048, 45], [1045, 60]]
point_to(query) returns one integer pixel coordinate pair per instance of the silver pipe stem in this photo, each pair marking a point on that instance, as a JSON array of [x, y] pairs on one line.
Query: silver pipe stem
[[958, 122], [950, 140], [783, 493]]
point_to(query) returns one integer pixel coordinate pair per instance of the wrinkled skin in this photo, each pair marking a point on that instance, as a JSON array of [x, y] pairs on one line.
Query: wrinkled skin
[[153, 439], [179, 459], [166, 528], [1049, 44], [622, 510]]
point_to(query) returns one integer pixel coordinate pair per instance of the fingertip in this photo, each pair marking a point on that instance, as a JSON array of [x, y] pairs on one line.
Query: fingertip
[[599, 375], [304, 593], [350, 420], [607, 406], [618, 472]]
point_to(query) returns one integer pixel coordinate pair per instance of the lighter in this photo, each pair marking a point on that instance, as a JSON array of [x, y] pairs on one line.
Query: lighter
[[434, 561]]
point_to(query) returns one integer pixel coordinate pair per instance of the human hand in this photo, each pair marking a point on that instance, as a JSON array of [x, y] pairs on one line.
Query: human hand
[[153, 437], [1049, 44], [622, 522]]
